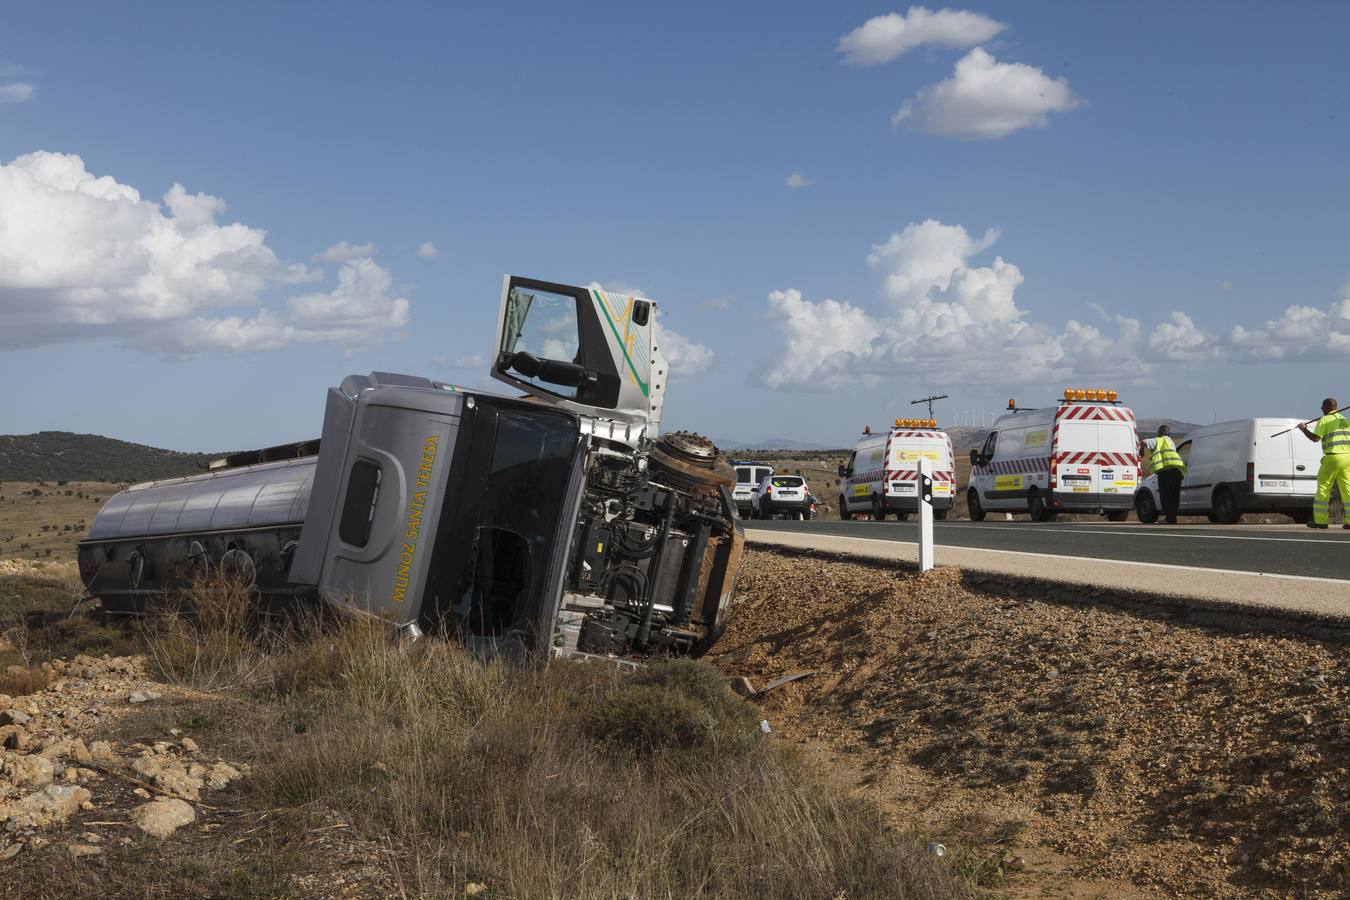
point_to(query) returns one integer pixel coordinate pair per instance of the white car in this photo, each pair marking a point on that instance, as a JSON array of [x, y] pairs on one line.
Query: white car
[[1240, 467], [781, 496], [748, 478]]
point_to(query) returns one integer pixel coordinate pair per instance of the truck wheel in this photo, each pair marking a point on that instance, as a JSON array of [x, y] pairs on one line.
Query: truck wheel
[[1040, 510], [844, 514], [973, 507], [1117, 515], [1225, 507], [878, 514], [1145, 508]]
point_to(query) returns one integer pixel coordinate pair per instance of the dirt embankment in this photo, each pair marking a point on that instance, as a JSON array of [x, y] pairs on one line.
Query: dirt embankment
[[1112, 750]]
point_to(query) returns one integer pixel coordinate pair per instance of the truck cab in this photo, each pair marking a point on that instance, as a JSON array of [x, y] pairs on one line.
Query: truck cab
[[558, 522]]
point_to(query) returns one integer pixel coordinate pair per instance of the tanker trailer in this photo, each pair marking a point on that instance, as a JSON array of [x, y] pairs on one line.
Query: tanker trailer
[[553, 522]]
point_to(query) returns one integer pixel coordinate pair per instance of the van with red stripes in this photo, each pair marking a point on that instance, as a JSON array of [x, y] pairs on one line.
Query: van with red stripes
[[1080, 456], [881, 476]]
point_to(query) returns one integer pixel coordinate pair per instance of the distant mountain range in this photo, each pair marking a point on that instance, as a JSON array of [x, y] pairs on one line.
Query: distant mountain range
[[771, 444], [64, 456]]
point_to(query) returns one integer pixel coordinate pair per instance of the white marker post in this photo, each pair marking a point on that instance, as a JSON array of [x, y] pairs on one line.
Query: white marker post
[[925, 514]]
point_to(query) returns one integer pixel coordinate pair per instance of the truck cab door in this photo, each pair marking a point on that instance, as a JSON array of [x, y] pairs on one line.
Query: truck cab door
[[585, 350]]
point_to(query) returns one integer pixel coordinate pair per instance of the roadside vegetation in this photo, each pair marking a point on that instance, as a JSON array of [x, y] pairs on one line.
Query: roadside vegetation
[[379, 768]]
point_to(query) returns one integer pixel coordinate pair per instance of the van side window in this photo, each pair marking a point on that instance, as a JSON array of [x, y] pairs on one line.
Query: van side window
[[358, 510], [851, 457], [989, 444], [1184, 451]]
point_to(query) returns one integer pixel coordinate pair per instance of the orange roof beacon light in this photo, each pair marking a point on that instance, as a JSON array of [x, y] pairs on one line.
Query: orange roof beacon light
[[1112, 395], [1012, 404], [1068, 393], [1080, 394], [897, 422], [867, 429]]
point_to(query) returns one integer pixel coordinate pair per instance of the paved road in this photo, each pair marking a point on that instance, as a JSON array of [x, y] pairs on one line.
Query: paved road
[[1275, 549]]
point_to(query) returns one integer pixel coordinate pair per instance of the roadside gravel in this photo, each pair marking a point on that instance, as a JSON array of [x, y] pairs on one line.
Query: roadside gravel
[[1130, 748]]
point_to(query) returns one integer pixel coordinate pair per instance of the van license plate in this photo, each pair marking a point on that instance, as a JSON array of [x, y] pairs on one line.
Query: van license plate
[[1275, 483]]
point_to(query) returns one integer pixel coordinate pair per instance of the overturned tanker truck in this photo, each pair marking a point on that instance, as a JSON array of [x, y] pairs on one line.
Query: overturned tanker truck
[[555, 522]]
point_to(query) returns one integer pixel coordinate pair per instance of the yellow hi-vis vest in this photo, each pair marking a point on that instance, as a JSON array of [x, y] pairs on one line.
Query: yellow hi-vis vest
[[1165, 455], [1334, 431]]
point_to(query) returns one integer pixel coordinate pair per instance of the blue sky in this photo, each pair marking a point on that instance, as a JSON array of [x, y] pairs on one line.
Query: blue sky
[[1193, 163]]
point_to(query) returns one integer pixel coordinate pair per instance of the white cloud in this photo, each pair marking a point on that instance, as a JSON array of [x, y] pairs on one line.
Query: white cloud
[[797, 180], [718, 304], [16, 92], [1180, 340], [343, 251], [427, 250], [686, 358], [1300, 333], [986, 99], [944, 320], [884, 38], [471, 361], [84, 257]]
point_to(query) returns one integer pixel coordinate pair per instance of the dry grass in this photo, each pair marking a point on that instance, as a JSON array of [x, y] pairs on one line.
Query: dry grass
[[46, 519], [576, 780]]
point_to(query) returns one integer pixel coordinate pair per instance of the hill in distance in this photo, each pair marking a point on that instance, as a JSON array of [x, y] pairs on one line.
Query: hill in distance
[[64, 456]]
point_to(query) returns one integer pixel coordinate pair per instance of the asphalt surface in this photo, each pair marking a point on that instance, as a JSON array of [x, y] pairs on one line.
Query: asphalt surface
[[1275, 549]]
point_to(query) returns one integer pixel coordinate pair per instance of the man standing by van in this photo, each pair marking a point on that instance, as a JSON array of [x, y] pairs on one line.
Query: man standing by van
[[1165, 462], [1333, 430]]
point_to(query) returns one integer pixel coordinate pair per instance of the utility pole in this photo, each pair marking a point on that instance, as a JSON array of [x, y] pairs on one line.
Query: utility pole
[[929, 401]]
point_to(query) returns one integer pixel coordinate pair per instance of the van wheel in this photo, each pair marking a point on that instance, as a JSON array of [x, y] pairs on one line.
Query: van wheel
[[973, 507], [1039, 509], [902, 517], [1117, 515], [1210, 515], [1145, 507], [844, 514], [1225, 507], [940, 514], [1301, 516], [878, 514]]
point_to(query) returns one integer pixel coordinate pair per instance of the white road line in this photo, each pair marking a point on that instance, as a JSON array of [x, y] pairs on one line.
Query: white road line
[[1164, 533], [1234, 573]]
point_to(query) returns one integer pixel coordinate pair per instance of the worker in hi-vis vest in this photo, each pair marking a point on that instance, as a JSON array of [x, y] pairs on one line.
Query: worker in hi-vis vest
[[1165, 462], [1333, 430]]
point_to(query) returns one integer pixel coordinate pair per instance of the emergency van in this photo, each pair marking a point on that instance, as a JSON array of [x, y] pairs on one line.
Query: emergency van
[[748, 478], [1080, 456], [1239, 467], [882, 473]]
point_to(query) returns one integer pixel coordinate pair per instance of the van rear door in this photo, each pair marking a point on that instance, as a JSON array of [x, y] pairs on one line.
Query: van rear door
[[906, 451], [1284, 466], [1096, 458]]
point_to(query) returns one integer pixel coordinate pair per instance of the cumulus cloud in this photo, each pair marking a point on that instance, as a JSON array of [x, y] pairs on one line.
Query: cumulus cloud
[[84, 257], [797, 181], [343, 251], [884, 38], [944, 318], [986, 99], [428, 250], [16, 92], [686, 358], [1300, 333]]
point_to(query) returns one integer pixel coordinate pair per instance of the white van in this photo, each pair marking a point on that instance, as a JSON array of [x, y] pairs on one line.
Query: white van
[[1079, 456], [882, 473], [1240, 467], [748, 477]]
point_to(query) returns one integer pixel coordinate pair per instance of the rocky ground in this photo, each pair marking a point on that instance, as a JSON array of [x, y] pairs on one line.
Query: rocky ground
[[1107, 751], [55, 766]]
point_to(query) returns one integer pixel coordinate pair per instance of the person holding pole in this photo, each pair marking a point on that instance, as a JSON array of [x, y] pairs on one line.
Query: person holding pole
[[1333, 430], [1165, 462]]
